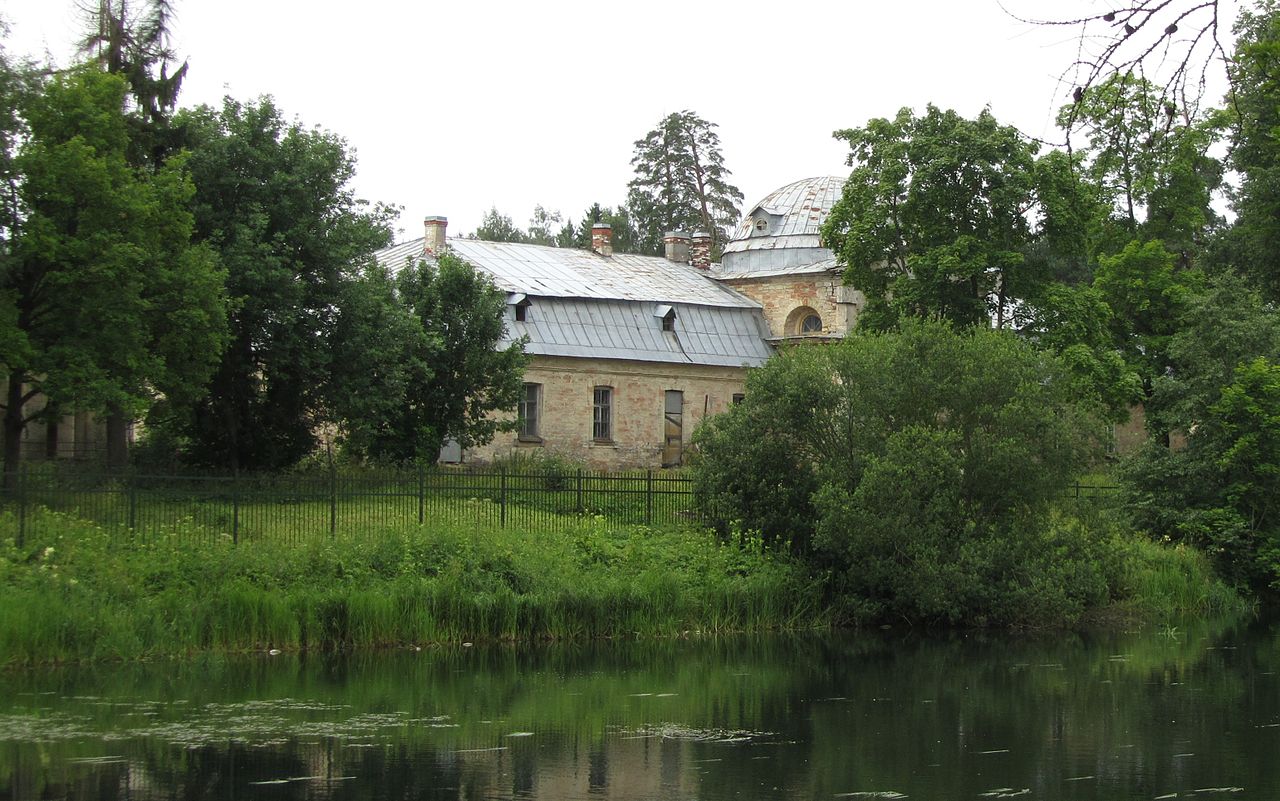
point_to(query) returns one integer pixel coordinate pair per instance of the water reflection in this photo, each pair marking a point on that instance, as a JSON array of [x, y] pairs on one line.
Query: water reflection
[[1193, 711]]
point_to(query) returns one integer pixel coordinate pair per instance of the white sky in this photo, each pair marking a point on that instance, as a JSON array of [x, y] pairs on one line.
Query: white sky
[[455, 107]]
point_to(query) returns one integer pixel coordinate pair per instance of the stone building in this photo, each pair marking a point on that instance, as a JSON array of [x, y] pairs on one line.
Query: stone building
[[630, 352]]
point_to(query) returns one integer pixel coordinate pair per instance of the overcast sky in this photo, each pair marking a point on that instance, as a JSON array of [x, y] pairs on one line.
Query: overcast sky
[[455, 107]]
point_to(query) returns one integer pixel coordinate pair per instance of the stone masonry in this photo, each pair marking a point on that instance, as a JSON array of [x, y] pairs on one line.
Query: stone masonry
[[639, 390]]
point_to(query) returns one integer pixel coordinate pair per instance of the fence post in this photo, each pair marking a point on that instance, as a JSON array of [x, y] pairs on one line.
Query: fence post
[[333, 499], [22, 507], [648, 497], [422, 490], [235, 506], [579, 505], [502, 497], [131, 486]]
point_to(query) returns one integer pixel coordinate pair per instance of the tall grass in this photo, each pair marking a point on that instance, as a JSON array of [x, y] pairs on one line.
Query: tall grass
[[76, 591]]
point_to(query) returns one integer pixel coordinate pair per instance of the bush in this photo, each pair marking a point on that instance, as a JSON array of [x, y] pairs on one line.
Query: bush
[[918, 469]]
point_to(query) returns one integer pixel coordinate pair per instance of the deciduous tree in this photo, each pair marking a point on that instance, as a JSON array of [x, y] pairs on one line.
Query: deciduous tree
[[109, 301], [933, 220], [273, 201], [423, 358]]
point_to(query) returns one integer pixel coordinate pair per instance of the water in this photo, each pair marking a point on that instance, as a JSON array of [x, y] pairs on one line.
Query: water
[[1182, 713]]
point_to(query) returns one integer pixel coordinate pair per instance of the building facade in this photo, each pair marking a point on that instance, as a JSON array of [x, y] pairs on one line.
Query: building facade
[[629, 353]]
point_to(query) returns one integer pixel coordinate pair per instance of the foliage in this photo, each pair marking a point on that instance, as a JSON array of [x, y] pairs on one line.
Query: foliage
[[420, 360], [1223, 391], [272, 199], [921, 464], [82, 595], [1147, 296], [497, 227], [134, 44], [626, 239], [107, 300], [1254, 241], [1150, 165], [681, 184], [933, 218]]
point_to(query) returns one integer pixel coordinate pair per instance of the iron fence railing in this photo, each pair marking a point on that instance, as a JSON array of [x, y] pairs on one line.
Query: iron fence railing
[[294, 507]]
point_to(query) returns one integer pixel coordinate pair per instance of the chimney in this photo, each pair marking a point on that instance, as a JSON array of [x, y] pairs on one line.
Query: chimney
[[676, 246], [700, 250], [602, 239], [433, 243]]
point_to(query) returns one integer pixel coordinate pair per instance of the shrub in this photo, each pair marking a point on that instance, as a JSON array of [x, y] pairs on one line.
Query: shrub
[[917, 468]]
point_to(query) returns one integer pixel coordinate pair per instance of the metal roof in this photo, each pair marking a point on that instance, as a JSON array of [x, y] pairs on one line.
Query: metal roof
[[620, 329], [569, 273], [586, 305], [823, 266], [793, 215]]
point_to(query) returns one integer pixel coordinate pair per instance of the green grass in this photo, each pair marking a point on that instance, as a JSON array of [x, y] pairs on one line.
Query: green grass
[[75, 590]]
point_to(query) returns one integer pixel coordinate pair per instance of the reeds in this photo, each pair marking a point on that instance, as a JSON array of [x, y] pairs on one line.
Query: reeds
[[75, 593]]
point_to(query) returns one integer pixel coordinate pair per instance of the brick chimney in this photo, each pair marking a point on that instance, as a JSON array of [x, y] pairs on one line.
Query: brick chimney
[[433, 243], [602, 239], [675, 244], [700, 250]]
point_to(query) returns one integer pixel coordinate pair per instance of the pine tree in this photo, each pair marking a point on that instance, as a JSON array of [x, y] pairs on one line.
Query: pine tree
[[681, 183]]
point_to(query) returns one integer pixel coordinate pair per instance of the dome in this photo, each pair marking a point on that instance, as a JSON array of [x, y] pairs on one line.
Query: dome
[[783, 229]]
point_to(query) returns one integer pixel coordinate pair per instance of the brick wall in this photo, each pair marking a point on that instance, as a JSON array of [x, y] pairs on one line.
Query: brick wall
[[781, 295], [639, 392]]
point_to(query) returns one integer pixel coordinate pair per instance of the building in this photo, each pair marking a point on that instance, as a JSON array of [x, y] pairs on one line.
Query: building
[[630, 352]]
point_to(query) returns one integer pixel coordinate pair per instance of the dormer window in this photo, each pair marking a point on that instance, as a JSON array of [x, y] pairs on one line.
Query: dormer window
[[521, 303], [668, 316], [762, 225]]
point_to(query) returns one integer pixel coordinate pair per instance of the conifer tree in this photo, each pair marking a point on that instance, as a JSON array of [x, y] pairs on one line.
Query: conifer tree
[[681, 183]]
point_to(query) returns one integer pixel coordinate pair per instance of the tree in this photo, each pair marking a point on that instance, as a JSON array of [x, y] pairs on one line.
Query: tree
[[1222, 392], [917, 466], [1254, 242], [497, 227], [1175, 42], [625, 237], [272, 200], [933, 218], [106, 299], [1149, 161], [421, 360], [132, 40], [1147, 296], [542, 226], [681, 183]]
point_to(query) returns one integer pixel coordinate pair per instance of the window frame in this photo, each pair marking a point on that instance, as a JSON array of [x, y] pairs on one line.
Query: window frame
[[530, 424], [602, 413]]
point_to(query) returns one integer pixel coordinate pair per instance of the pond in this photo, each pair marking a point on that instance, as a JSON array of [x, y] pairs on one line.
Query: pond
[[1188, 712]]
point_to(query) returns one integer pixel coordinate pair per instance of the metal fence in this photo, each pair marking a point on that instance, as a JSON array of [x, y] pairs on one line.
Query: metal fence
[[293, 507]]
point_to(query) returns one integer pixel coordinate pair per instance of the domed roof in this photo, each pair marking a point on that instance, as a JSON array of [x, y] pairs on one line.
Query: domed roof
[[788, 219], [797, 209]]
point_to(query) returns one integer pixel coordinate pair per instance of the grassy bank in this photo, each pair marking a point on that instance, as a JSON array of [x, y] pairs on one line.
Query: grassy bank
[[81, 593]]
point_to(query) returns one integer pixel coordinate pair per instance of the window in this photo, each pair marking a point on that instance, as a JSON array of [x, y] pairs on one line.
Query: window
[[602, 414], [529, 403], [667, 314], [811, 324], [522, 312], [738, 397], [673, 428], [762, 225]]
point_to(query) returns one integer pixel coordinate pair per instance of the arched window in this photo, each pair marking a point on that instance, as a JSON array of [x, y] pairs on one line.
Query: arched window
[[804, 322]]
